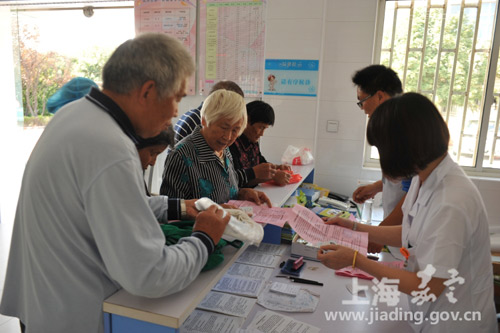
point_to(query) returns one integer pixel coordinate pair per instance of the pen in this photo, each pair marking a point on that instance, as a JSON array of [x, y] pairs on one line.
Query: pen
[[300, 280]]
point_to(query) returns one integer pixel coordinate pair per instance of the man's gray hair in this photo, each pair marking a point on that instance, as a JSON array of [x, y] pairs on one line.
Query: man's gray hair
[[149, 56]]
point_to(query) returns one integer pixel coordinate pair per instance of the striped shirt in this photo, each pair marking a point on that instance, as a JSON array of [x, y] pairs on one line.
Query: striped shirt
[[192, 171], [187, 123]]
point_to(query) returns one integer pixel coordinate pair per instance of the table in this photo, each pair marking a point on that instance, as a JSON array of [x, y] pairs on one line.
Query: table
[[126, 313]]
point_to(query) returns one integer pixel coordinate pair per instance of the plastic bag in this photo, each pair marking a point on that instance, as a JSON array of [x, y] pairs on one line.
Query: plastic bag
[[240, 226], [296, 156]]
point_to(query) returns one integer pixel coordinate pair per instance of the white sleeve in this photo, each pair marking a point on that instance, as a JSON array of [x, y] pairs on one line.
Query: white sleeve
[[159, 206], [444, 238], [130, 240]]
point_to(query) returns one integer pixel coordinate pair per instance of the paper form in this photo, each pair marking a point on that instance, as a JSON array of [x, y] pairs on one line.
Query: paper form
[[203, 321], [259, 259], [275, 249], [239, 285], [227, 304], [263, 214], [304, 301], [275, 216], [269, 321], [312, 229], [285, 288], [254, 272]]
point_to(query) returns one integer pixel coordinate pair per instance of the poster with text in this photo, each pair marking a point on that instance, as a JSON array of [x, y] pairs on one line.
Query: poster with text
[[291, 77], [232, 35], [173, 17]]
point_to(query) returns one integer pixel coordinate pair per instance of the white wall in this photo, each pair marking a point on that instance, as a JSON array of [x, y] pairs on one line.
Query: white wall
[[340, 34]]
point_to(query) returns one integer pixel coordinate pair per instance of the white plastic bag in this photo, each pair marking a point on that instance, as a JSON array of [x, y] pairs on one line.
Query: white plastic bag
[[240, 226], [297, 156]]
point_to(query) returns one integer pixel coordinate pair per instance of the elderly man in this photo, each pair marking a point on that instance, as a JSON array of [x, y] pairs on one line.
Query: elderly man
[[84, 227]]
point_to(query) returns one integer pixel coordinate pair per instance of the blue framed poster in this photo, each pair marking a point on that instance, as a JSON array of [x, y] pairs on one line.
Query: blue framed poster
[[291, 77]]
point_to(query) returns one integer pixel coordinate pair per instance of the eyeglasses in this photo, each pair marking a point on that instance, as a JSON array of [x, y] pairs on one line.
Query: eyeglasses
[[360, 103]]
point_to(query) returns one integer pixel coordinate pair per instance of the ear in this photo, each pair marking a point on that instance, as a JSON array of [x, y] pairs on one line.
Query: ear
[[147, 91], [203, 122], [382, 96]]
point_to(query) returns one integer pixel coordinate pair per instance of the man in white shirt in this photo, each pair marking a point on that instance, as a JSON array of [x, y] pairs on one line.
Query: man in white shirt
[[84, 227]]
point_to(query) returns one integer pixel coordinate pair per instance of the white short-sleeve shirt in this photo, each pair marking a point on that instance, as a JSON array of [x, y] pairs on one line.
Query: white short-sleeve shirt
[[445, 225]]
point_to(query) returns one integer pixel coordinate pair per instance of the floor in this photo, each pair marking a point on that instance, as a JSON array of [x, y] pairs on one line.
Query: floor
[[10, 178]]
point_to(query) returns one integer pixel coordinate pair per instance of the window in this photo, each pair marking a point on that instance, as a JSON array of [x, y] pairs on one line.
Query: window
[[445, 50], [58, 41]]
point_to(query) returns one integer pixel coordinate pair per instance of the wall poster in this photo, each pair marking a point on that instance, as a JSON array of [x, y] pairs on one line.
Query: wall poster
[[232, 35], [291, 77], [174, 17]]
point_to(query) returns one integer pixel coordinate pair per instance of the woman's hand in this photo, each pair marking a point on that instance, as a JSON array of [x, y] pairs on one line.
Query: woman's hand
[[264, 171], [346, 223], [335, 256], [281, 178], [250, 194], [227, 206], [284, 167]]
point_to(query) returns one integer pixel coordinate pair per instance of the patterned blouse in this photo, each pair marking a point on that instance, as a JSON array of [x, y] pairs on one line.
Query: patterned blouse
[[193, 170], [246, 154]]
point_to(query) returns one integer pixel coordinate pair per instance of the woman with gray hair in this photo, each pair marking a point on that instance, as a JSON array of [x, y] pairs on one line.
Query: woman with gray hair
[[201, 164]]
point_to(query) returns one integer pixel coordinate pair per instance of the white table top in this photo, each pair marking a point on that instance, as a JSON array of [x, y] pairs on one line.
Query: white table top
[[280, 194], [172, 310]]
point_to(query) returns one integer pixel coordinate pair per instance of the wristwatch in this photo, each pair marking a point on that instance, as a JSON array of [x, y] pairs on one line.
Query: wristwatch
[[184, 215]]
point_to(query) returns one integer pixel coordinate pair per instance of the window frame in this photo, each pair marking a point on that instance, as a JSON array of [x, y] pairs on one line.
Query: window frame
[[478, 170]]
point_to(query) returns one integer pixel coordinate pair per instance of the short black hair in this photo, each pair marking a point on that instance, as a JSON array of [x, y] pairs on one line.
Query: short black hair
[[409, 132], [378, 77], [228, 85], [260, 112], [165, 138]]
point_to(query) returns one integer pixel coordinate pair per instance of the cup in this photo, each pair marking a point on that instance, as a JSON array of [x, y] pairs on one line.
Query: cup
[[366, 215]]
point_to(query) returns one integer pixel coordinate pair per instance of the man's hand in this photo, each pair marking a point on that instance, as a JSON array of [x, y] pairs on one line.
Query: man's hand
[[335, 256], [191, 210], [211, 222], [281, 178], [365, 192], [250, 194], [264, 171]]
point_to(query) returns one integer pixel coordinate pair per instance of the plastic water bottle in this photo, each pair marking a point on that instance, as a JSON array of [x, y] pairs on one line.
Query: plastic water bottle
[[366, 215]]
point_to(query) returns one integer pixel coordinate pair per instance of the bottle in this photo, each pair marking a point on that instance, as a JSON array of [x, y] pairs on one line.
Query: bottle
[[366, 215]]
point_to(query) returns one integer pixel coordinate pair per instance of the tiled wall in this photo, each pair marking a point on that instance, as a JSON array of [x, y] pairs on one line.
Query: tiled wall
[[340, 35]]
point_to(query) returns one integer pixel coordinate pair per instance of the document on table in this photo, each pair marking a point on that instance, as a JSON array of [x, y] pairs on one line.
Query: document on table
[[203, 321], [269, 321], [312, 229], [275, 249], [239, 285], [227, 304], [304, 301], [259, 259], [251, 271], [243, 203], [275, 216], [263, 214]]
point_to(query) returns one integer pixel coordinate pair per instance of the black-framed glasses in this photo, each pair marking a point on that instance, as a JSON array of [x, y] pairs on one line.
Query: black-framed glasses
[[360, 103]]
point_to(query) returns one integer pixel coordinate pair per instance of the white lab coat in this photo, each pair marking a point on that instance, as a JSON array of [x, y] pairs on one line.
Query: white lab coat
[[445, 225]]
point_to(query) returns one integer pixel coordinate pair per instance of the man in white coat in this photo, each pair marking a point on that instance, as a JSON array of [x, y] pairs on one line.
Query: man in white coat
[[84, 227]]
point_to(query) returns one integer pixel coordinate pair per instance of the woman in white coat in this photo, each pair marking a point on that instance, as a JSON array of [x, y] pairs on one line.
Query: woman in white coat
[[444, 229]]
